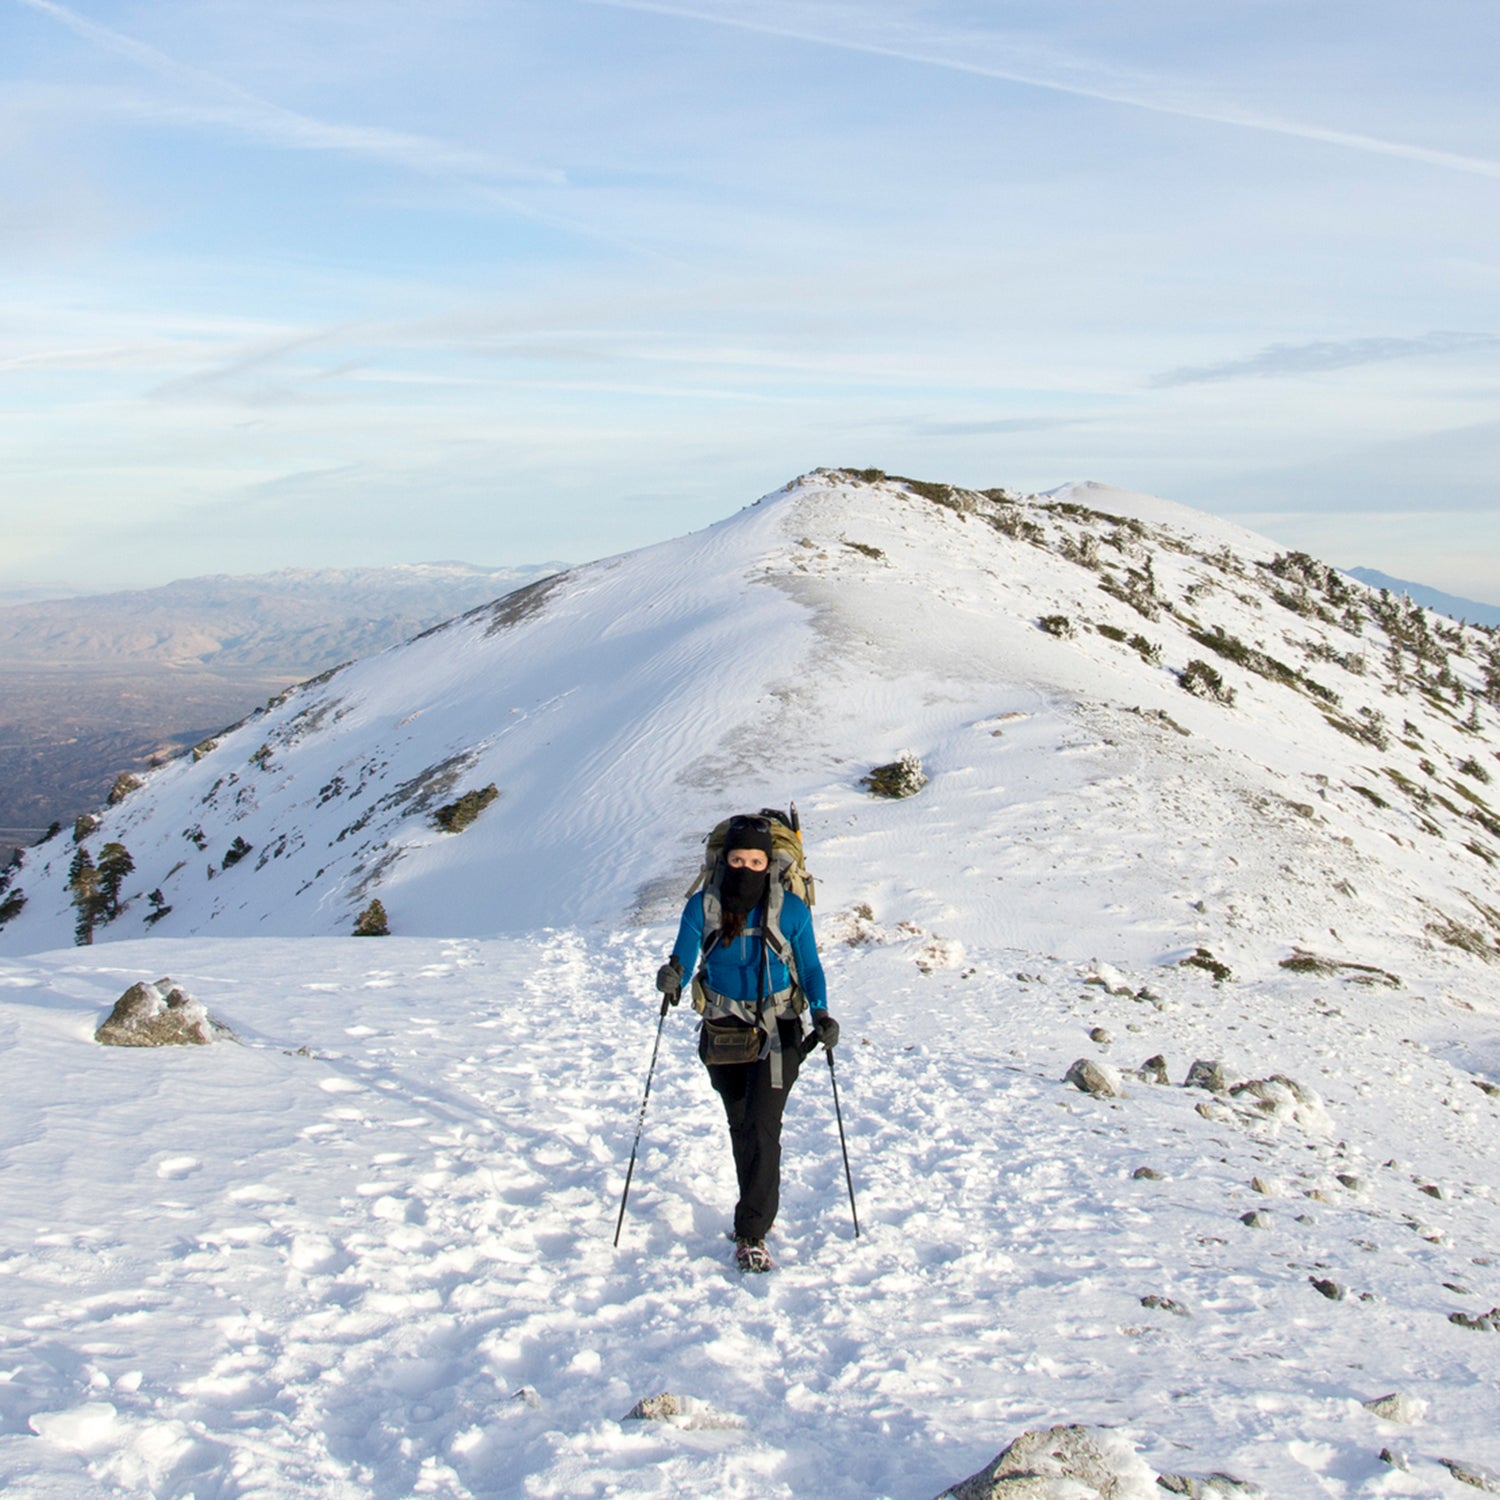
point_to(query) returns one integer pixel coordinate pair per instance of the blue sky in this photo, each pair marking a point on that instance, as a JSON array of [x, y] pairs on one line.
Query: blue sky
[[323, 282]]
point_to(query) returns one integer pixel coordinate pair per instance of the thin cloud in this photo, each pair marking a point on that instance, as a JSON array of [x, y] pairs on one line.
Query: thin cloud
[[243, 111], [940, 48], [1314, 358]]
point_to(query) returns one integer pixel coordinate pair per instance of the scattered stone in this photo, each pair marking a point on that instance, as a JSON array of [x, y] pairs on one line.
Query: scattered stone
[[160, 1015], [1256, 1219], [1485, 1322], [1211, 1109], [1489, 1088], [681, 1411], [1476, 1474], [1260, 1185], [1084, 1463], [1101, 1036], [1330, 1289], [1397, 1406], [1107, 977], [1148, 1174], [1462, 1291], [1433, 1190], [1165, 1304], [1350, 1181], [1208, 1075], [1209, 1487], [1095, 1078], [527, 1395], [1153, 1070], [1396, 1460]]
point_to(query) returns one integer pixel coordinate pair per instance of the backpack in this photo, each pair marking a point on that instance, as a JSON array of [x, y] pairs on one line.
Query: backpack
[[787, 862], [788, 870]]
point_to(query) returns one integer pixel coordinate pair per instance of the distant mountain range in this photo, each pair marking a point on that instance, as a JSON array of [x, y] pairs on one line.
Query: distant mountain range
[[91, 686], [1445, 604]]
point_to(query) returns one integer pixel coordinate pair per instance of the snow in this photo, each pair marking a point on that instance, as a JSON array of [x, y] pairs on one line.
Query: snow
[[366, 1251]]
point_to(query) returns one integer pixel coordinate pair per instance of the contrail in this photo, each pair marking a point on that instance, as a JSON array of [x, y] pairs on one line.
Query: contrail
[[254, 115], [1479, 166]]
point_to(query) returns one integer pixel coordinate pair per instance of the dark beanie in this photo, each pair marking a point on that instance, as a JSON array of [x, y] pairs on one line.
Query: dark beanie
[[745, 837]]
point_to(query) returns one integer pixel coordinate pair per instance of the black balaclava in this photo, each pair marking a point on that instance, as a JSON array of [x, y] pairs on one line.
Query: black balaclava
[[741, 890]]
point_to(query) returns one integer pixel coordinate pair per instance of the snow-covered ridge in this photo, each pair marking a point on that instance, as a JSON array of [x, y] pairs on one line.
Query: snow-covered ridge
[[1326, 787], [368, 1249]]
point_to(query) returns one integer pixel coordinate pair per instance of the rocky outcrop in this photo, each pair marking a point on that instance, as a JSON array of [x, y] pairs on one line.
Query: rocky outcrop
[[160, 1015], [1062, 1463]]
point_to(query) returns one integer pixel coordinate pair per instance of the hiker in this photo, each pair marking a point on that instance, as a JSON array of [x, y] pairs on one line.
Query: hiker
[[760, 970]]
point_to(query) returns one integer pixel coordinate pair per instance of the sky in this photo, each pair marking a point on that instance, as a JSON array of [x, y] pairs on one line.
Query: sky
[[321, 283]]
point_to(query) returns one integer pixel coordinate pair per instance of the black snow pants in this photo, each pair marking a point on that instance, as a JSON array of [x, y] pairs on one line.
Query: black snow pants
[[754, 1109]]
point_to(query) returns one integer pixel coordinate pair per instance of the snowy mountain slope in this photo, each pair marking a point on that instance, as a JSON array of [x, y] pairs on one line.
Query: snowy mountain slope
[[368, 1252], [618, 709]]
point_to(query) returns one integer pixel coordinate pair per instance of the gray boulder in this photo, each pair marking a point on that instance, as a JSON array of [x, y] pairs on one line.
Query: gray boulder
[[1062, 1463], [1095, 1078], [1206, 1074], [1397, 1407], [683, 1411], [160, 1015]]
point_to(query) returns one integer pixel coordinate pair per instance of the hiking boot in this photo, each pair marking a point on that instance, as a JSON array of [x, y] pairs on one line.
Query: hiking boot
[[751, 1255]]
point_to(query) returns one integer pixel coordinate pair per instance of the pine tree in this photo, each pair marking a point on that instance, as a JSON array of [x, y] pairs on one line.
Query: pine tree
[[115, 864], [372, 921], [88, 902]]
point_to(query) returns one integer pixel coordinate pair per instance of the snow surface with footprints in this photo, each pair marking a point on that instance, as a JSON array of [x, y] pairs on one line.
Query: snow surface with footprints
[[367, 1251]]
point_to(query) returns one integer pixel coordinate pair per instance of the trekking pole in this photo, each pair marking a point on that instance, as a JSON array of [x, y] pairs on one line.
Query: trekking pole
[[833, 1078], [640, 1124]]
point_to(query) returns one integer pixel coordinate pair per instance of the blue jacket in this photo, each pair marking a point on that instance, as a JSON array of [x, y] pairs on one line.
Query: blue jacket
[[734, 968]]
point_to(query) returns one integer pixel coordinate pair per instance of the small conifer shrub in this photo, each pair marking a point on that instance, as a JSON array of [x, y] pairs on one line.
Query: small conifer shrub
[[454, 817], [902, 777], [1058, 625], [371, 922], [1202, 681], [159, 907], [12, 905]]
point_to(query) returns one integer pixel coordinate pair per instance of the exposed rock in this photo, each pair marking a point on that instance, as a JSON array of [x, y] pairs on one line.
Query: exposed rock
[[1211, 1109], [1350, 1181], [1395, 1458], [160, 1015], [1149, 1174], [1398, 1407], [1209, 1486], [1095, 1078], [1485, 1322], [1101, 1036], [1476, 1474], [1208, 1075], [1261, 1185], [681, 1411], [1256, 1219], [1433, 1190], [1061, 1463], [1330, 1289], [1153, 1070], [1165, 1304], [527, 1396]]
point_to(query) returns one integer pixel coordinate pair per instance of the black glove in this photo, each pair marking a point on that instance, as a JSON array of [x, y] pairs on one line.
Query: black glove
[[825, 1029], [669, 980]]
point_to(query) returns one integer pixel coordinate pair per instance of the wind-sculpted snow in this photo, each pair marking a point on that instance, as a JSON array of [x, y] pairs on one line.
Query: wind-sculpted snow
[[368, 1252]]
